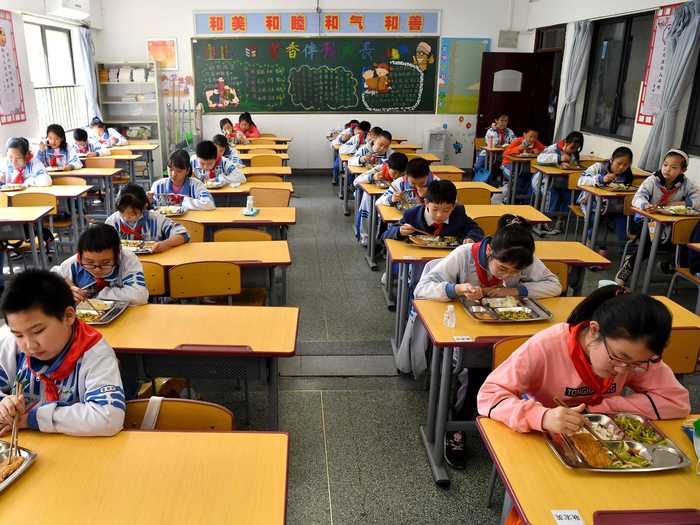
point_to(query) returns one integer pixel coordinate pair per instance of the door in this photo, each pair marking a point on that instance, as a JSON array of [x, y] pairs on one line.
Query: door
[[518, 84]]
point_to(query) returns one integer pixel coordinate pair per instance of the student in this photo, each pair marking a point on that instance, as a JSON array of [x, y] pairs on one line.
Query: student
[[499, 133], [565, 154], [69, 375], [180, 187], [528, 143], [86, 147], [358, 139], [341, 138], [227, 129], [208, 166], [666, 187], [56, 153], [226, 152], [20, 166], [440, 216], [246, 127], [376, 153], [107, 136], [103, 269], [411, 187], [134, 222], [615, 170], [392, 169]]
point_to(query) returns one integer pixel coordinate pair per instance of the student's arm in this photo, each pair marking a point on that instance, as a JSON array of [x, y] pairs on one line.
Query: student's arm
[[201, 201], [231, 174], [100, 149], [253, 133], [537, 281], [134, 283], [120, 140], [101, 410], [548, 158], [539, 147], [593, 176], [692, 199], [642, 199], [42, 156], [657, 395], [514, 148], [8, 361], [471, 229], [439, 283], [170, 229], [72, 158], [39, 176], [350, 146]]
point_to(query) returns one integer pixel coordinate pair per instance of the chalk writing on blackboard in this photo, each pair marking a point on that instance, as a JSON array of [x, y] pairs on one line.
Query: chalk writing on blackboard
[[398, 88], [322, 88]]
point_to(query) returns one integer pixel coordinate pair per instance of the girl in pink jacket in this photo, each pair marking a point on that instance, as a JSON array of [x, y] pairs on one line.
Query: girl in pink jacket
[[612, 340]]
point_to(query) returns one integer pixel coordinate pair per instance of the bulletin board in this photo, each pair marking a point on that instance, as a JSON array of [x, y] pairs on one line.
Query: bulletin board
[[11, 97], [459, 74]]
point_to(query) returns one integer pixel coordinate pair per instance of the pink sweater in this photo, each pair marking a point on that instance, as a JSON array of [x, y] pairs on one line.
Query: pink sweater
[[520, 391]]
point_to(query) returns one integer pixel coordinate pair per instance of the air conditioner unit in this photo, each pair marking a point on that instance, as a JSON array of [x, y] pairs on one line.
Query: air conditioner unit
[[71, 9]]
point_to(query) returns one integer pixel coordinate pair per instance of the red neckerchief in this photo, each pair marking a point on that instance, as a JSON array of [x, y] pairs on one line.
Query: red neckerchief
[[385, 172], [53, 160], [83, 339], [666, 194], [437, 229], [100, 284], [136, 233], [19, 178], [484, 279], [583, 365], [361, 140], [212, 172], [501, 135], [560, 145]]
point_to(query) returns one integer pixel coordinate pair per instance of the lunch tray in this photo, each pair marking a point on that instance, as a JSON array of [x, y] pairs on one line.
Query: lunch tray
[[620, 187], [421, 242], [145, 248], [171, 213], [110, 315], [214, 185], [690, 212], [13, 187], [486, 314], [28, 456], [665, 455], [381, 184]]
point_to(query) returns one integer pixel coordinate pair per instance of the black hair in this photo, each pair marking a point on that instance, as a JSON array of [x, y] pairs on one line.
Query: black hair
[[364, 126], [223, 122], [530, 128], [180, 159], [98, 238], [499, 114], [220, 140], [80, 134], [513, 242], [623, 151], [19, 143], [442, 192], [622, 315], [384, 133], [206, 150], [575, 137], [418, 168], [352, 122], [397, 161], [684, 163], [245, 117], [57, 129], [41, 289], [376, 130], [97, 121], [132, 196]]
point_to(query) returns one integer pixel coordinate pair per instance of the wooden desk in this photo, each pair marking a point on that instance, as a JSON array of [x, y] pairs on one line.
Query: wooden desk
[[358, 170], [525, 211], [639, 172], [103, 176], [252, 147], [519, 164], [538, 482], [147, 148], [247, 157], [32, 217], [597, 194], [229, 193], [545, 181], [493, 155], [271, 217], [398, 140], [153, 477], [590, 159], [344, 157], [404, 147], [428, 156], [388, 214], [129, 159], [275, 138], [284, 171], [447, 171]]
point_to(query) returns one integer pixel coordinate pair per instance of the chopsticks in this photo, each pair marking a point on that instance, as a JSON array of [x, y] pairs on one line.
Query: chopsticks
[[15, 435]]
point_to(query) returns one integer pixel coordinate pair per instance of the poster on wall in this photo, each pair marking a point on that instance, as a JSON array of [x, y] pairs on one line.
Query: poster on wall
[[459, 74], [163, 51], [655, 72], [11, 98]]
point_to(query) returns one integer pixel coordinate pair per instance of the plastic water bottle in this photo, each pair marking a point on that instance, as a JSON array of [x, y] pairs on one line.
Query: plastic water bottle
[[250, 202], [449, 319]]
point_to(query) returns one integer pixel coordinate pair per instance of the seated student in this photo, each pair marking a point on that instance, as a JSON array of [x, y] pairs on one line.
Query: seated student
[[499, 133], [87, 147], [20, 167], [103, 269], [564, 154], [208, 166], [411, 187], [134, 222], [341, 138], [440, 216], [601, 174], [666, 187], [528, 143], [246, 128], [69, 376], [104, 135], [180, 187], [334, 133], [358, 139], [226, 127], [58, 153], [375, 153], [392, 169], [226, 152]]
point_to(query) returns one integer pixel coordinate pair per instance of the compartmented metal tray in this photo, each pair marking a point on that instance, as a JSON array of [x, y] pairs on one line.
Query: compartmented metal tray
[[617, 186], [28, 456], [139, 247], [13, 187], [678, 211], [499, 310], [106, 316], [434, 241], [215, 185], [171, 211], [660, 452]]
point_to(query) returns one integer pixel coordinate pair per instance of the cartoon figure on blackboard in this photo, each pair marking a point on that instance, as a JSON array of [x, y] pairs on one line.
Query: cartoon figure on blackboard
[[370, 80], [221, 96], [377, 79], [424, 56]]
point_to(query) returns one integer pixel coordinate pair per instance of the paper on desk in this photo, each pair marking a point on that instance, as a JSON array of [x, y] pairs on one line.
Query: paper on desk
[[567, 517]]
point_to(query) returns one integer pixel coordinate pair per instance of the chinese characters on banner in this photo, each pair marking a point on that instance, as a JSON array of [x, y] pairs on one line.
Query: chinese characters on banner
[[11, 97], [655, 72], [338, 22]]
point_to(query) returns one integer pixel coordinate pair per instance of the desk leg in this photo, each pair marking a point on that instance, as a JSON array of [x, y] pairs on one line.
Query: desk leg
[[346, 193], [151, 166], [75, 219], [109, 197], [397, 320], [132, 171], [652, 258], [587, 219], [640, 251], [372, 233], [538, 194], [273, 389], [283, 285], [515, 173], [507, 507], [389, 284], [32, 243], [545, 192], [596, 221]]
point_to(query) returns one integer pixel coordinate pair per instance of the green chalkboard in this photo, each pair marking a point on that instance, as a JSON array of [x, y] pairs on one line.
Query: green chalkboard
[[332, 75]]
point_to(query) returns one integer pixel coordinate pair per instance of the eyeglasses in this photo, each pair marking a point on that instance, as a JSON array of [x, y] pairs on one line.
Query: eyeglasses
[[105, 266], [635, 366]]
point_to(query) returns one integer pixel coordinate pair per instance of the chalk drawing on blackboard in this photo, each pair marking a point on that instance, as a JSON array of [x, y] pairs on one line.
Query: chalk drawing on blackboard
[[406, 89], [222, 95], [376, 79], [322, 88], [424, 56]]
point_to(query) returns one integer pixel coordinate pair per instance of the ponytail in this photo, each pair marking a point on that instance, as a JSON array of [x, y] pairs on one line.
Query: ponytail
[[513, 242]]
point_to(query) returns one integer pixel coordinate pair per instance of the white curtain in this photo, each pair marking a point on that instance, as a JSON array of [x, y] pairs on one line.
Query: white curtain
[[579, 54], [682, 45], [87, 56]]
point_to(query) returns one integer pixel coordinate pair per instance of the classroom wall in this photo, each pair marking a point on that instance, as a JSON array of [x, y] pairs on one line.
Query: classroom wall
[[466, 18]]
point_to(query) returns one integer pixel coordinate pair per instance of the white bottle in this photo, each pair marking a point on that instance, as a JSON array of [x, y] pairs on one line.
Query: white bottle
[[449, 319], [250, 203]]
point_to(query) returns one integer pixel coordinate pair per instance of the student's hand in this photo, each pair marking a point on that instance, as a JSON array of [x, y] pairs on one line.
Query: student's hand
[[9, 406], [406, 229], [91, 154], [565, 157], [395, 197], [78, 293], [42, 146], [499, 291], [159, 247], [377, 176], [149, 196], [609, 178], [562, 420], [471, 292], [564, 165], [112, 140]]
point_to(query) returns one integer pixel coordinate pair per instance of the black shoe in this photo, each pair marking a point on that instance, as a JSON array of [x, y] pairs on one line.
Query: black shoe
[[455, 452], [625, 271]]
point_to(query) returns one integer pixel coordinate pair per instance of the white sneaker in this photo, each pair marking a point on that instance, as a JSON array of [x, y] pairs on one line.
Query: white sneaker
[[383, 279]]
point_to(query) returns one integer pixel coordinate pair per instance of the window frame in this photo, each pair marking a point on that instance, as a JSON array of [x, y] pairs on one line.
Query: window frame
[[692, 115], [43, 28], [622, 73]]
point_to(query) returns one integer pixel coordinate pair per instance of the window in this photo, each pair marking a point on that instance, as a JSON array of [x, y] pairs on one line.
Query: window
[[616, 70], [691, 135]]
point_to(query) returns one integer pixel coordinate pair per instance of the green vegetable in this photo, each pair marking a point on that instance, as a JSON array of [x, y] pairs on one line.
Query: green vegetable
[[626, 458], [635, 430]]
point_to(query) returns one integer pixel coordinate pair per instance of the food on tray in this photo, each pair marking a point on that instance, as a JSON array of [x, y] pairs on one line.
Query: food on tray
[[212, 184], [592, 450], [500, 302], [620, 186], [12, 187], [636, 430], [96, 305], [628, 457], [170, 210], [607, 431], [88, 316], [7, 466], [513, 315], [679, 210], [435, 241], [145, 246]]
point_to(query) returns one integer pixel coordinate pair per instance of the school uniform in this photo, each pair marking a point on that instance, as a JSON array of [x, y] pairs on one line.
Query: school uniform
[[352, 145], [559, 196], [232, 156], [341, 138], [60, 157], [80, 393], [104, 138], [458, 224], [192, 195], [364, 208], [151, 226], [33, 174], [513, 149], [92, 146], [366, 149], [402, 185], [500, 137], [223, 171], [125, 283], [251, 133]]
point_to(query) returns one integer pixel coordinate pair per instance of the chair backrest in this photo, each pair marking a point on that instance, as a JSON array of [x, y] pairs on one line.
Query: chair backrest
[[263, 140], [195, 229], [22, 200], [69, 181], [454, 177], [572, 182], [117, 151], [263, 135], [473, 196], [154, 274], [264, 178], [267, 197], [241, 234], [561, 270], [204, 279], [411, 156], [488, 224], [100, 162], [479, 143], [681, 231], [265, 158], [503, 348], [181, 414]]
